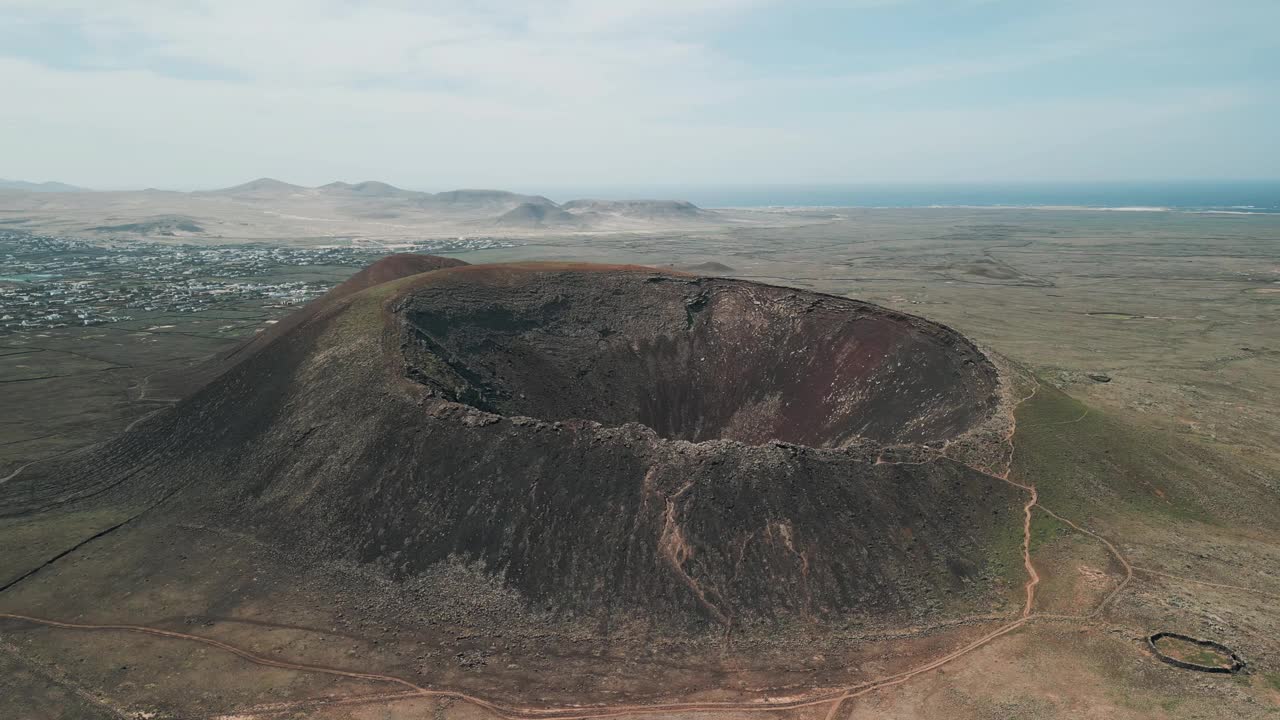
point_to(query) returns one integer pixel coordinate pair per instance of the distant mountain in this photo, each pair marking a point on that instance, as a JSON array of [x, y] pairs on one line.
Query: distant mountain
[[534, 215], [710, 266], [638, 209], [370, 189], [271, 208], [262, 187], [45, 187], [487, 199], [453, 202]]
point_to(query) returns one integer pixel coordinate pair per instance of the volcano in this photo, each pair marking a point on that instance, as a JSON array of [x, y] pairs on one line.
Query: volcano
[[692, 359], [597, 439]]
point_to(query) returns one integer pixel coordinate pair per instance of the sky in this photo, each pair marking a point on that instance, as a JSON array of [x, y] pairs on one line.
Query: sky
[[189, 94]]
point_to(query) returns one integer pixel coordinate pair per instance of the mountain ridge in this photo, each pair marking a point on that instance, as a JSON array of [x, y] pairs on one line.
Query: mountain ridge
[[49, 186], [274, 210]]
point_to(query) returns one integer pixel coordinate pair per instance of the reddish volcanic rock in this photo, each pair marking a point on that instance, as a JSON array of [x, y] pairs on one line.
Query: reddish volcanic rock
[[693, 358]]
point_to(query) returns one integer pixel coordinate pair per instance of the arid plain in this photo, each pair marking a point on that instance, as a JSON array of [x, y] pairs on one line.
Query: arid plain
[[1143, 443]]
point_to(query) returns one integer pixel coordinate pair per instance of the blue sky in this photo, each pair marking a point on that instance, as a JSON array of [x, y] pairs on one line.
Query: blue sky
[[432, 95]]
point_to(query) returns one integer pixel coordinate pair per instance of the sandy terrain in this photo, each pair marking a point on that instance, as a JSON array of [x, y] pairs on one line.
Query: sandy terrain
[[1147, 457]]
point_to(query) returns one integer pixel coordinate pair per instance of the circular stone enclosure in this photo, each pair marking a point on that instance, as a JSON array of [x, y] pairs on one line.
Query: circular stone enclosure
[[1189, 653], [694, 359]]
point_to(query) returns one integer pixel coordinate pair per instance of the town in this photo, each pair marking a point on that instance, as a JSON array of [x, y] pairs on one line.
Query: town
[[49, 282]]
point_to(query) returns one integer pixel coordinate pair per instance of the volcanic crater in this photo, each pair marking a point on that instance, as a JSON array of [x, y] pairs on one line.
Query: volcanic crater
[[694, 358], [603, 441]]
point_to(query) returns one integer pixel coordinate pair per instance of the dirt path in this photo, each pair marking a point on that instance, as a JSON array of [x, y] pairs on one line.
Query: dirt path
[[14, 474], [315, 703], [531, 713], [142, 397], [1115, 552], [1193, 581], [836, 698], [37, 461], [82, 448], [1033, 577]]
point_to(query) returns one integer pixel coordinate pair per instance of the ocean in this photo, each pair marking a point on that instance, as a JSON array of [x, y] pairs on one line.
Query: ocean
[[1244, 197]]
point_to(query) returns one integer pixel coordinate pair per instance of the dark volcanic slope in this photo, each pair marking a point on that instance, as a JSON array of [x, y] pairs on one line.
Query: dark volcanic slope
[[393, 427], [181, 382], [391, 267]]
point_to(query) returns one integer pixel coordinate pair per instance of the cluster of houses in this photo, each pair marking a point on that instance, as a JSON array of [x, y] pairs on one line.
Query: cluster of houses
[[51, 282]]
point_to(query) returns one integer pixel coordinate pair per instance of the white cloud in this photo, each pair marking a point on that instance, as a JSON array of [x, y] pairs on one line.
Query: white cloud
[[632, 54], [310, 40], [137, 128], [436, 94]]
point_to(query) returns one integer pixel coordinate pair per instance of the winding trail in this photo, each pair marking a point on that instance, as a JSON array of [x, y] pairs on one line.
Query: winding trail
[[314, 703], [14, 474], [37, 461], [533, 713], [836, 698], [1033, 577], [142, 397], [1193, 581], [1115, 552], [82, 448], [1033, 499]]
